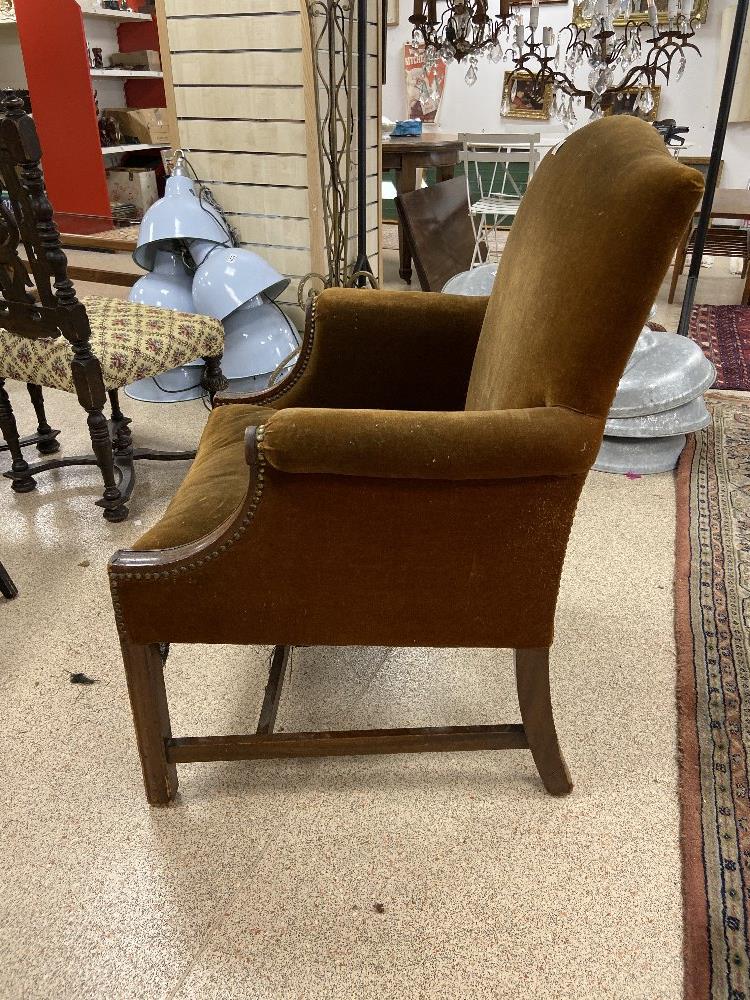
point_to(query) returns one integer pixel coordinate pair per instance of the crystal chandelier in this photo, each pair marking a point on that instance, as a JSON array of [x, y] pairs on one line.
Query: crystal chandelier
[[585, 63]]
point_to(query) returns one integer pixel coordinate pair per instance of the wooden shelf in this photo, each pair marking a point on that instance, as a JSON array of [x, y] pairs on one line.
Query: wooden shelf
[[129, 74], [112, 15], [117, 15], [112, 150]]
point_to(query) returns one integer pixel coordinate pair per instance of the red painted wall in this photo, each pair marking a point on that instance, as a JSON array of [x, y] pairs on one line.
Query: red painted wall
[[53, 43], [132, 36]]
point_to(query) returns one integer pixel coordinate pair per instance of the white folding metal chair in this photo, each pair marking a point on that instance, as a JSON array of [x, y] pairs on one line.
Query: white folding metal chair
[[499, 192]]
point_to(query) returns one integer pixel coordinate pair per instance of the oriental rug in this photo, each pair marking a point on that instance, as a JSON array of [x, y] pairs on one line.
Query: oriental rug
[[712, 601], [724, 334]]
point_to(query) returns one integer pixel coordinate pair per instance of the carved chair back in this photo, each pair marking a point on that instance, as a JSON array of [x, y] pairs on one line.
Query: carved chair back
[[54, 310]]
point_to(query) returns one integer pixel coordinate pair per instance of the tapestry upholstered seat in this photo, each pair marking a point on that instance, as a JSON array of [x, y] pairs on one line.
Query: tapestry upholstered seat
[[131, 341], [50, 339]]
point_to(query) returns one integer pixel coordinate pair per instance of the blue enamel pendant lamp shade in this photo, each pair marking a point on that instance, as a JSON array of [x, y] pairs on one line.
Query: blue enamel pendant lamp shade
[[233, 285]]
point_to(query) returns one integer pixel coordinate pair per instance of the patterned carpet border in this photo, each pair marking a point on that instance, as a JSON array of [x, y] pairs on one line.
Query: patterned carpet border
[[723, 332], [712, 622]]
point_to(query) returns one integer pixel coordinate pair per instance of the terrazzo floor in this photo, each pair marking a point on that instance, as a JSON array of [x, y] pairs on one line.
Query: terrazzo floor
[[449, 876]]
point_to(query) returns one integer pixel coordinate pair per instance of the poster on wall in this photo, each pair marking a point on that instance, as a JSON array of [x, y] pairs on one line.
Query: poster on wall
[[424, 87]]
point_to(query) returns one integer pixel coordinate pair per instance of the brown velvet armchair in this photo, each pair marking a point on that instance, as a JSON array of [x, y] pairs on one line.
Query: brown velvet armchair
[[417, 473]]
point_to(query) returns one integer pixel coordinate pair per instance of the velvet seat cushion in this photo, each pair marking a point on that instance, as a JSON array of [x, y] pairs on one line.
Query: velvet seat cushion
[[131, 341], [216, 483]]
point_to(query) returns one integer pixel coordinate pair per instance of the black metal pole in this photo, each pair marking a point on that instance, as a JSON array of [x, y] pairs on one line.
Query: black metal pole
[[362, 263], [712, 176]]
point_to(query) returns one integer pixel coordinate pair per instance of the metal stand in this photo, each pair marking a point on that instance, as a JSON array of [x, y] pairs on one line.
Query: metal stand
[[712, 176], [362, 263]]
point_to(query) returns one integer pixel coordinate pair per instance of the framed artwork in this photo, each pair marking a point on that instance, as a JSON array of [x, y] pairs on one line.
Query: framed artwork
[[391, 16], [519, 100], [424, 87], [622, 102], [640, 13]]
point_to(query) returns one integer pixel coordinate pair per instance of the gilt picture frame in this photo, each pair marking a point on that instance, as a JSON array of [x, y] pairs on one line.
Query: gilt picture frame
[[622, 102], [640, 16], [523, 104]]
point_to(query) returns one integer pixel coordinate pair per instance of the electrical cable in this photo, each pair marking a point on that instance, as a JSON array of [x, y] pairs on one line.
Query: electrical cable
[[292, 356], [205, 193], [174, 392]]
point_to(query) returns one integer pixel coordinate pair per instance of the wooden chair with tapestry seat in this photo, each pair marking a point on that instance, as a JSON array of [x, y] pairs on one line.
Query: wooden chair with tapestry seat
[[92, 348], [414, 479]]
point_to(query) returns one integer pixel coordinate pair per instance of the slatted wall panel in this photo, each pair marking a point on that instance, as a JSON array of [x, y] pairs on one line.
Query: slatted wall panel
[[245, 109]]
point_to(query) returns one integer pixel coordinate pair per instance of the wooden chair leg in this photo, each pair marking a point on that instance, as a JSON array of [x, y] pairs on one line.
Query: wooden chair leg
[[48, 444], [532, 681], [7, 588], [21, 482], [745, 300], [679, 263], [112, 502], [122, 443], [144, 669], [213, 379]]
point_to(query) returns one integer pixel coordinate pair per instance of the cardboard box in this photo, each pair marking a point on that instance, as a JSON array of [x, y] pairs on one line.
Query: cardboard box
[[139, 59], [147, 125], [134, 185]]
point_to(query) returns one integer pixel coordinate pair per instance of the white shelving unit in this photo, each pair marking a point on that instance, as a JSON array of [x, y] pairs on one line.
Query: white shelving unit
[[116, 15], [101, 32], [129, 74], [113, 150]]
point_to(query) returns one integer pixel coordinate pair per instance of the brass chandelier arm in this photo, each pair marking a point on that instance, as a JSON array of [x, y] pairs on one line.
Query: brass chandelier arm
[[613, 62]]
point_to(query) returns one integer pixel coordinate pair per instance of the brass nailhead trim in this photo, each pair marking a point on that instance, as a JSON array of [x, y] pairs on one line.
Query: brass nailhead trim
[[244, 524], [305, 360], [114, 576]]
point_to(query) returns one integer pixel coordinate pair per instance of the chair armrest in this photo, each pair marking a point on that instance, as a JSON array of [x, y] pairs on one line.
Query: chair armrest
[[478, 444], [381, 350]]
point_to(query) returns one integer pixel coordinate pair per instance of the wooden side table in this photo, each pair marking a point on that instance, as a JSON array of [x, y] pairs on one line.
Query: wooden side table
[[405, 155], [729, 203]]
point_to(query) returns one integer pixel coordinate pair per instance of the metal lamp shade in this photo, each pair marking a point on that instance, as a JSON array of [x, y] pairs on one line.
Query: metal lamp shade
[[168, 286], [176, 386], [257, 338], [177, 217], [476, 281], [229, 277]]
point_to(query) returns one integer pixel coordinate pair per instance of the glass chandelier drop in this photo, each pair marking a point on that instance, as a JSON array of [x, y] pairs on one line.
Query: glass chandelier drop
[[584, 64]]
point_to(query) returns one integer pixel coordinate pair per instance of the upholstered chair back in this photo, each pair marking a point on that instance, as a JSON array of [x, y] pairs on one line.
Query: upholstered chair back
[[583, 264]]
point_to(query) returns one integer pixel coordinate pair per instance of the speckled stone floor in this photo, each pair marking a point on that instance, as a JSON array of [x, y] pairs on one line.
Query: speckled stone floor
[[448, 876]]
